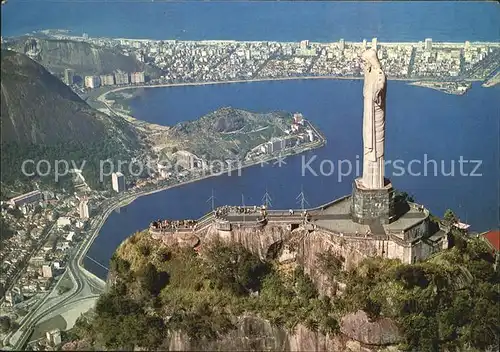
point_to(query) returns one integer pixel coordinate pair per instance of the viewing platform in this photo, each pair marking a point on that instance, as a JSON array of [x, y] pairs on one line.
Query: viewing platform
[[159, 227], [332, 217], [336, 217], [228, 217], [409, 235]]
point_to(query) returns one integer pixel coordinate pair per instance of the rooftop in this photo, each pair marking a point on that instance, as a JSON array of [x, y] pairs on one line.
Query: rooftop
[[337, 217], [493, 238], [22, 196]]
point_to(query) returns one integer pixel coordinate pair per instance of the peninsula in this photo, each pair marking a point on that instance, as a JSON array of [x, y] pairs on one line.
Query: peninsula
[[457, 88]]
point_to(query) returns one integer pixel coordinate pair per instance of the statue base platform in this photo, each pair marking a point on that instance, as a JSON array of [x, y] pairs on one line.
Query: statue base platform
[[372, 205]]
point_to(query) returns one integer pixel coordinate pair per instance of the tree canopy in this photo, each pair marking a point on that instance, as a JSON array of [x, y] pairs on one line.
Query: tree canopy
[[448, 302]]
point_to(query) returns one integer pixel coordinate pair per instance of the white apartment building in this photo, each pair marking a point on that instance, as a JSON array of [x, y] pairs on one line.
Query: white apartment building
[[118, 181], [92, 81]]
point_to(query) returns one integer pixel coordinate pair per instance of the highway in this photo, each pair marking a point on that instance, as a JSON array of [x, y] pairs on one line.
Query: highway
[[83, 282], [22, 270]]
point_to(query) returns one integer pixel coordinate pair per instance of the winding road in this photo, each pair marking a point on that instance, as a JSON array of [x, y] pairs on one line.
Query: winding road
[[84, 283]]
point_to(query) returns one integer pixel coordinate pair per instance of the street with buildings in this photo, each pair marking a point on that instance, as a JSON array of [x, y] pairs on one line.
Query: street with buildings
[[52, 231], [217, 61]]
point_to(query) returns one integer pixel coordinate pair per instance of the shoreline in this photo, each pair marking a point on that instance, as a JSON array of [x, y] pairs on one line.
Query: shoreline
[[492, 81], [444, 87], [62, 33], [101, 97]]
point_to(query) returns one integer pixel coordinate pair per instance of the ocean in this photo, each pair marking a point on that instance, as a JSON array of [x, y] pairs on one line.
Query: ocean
[[264, 20]]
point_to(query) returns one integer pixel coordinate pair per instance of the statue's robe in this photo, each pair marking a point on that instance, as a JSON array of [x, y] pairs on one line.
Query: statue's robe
[[374, 127]]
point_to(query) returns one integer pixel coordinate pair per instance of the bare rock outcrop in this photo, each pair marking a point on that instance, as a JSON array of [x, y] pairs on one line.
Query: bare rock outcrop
[[256, 334], [260, 241], [381, 332]]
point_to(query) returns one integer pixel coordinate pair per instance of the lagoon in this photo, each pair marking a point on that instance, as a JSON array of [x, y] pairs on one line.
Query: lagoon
[[422, 125]]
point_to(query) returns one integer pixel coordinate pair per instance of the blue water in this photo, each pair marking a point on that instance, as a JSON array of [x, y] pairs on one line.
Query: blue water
[[419, 121], [280, 21]]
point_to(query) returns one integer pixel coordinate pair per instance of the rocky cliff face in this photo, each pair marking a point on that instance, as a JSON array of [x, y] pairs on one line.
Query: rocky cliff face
[[255, 334], [265, 242], [301, 245], [84, 58]]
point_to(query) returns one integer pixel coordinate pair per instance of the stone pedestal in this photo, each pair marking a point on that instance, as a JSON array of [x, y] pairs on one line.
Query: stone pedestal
[[372, 205]]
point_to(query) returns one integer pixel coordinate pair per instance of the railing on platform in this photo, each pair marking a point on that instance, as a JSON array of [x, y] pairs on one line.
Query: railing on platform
[[286, 218], [205, 223], [247, 224], [206, 217], [283, 215], [323, 206], [168, 230], [355, 236]]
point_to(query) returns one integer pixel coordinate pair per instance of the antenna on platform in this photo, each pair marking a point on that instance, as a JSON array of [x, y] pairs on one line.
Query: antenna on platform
[[267, 200], [212, 198], [302, 199]]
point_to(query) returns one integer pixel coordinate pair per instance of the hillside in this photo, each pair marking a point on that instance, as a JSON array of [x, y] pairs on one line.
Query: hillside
[[42, 118], [85, 58], [227, 299], [229, 133], [34, 102]]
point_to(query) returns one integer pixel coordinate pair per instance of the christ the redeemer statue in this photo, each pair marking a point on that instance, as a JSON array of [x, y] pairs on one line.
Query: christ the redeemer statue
[[374, 90]]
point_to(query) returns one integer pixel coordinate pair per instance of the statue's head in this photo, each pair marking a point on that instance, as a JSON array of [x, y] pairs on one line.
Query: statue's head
[[370, 57]]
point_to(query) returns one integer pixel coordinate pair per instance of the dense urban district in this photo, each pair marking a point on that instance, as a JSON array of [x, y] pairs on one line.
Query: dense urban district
[[45, 232], [217, 61]]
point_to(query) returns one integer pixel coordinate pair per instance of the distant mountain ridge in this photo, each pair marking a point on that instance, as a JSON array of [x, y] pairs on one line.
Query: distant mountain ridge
[[38, 108], [85, 58]]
